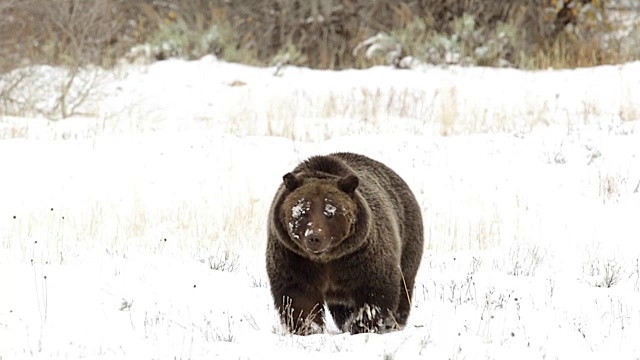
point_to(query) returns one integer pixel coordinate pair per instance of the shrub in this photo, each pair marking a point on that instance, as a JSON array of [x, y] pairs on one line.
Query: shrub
[[61, 32], [319, 33]]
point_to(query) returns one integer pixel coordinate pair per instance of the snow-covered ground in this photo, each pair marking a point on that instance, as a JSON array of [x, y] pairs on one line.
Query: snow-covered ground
[[136, 228]]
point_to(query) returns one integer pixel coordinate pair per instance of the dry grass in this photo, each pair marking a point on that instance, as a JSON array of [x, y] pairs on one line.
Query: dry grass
[[223, 208], [439, 108]]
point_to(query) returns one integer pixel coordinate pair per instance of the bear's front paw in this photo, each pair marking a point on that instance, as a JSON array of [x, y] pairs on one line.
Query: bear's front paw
[[306, 328], [371, 319], [303, 325]]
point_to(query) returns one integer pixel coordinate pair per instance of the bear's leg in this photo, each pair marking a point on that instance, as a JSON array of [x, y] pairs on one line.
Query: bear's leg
[[301, 312], [374, 310], [340, 313], [404, 307]]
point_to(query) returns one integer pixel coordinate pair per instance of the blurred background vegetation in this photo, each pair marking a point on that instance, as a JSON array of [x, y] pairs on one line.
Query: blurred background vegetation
[[325, 34]]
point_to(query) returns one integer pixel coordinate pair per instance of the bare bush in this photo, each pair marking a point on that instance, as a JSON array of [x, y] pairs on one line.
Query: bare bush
[[611, 186], [66, 92], [603, 271], [60, 32], [523, 259], [223, 260], [70, 33]]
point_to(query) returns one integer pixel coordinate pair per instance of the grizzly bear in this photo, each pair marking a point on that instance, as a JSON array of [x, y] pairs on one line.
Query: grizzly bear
[[346, 231]]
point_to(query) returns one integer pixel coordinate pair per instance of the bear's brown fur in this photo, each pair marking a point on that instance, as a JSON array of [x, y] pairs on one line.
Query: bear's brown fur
[[347, 231]]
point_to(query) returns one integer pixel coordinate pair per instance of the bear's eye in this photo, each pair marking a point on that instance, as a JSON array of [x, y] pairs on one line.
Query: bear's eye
[[329, 210], [300, 210]]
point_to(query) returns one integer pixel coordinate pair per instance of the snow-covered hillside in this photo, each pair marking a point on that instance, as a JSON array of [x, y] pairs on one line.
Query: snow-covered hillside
[[136, 228]]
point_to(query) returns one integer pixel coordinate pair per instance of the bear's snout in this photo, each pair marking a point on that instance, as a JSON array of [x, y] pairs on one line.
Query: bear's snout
[[315, 243]]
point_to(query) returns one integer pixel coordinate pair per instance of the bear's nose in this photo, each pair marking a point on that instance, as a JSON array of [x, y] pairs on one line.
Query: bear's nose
[[316, 244], [313, 239]]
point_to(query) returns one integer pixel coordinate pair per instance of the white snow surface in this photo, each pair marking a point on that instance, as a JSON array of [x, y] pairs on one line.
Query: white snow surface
[[136, 229]]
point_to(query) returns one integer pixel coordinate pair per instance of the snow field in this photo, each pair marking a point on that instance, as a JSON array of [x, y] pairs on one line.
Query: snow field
[[148, 215]]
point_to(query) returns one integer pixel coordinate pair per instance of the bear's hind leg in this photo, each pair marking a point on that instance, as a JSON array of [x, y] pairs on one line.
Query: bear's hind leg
[[411, 258], [404, 306]]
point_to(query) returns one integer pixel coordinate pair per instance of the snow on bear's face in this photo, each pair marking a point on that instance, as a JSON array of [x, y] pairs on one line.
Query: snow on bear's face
[[318, 216]]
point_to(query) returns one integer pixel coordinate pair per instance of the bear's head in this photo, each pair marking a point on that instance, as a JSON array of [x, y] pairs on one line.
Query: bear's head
[[319, 213]]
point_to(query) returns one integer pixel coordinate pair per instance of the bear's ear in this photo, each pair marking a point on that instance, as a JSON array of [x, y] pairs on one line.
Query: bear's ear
[[291, 182], [348, 183]]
